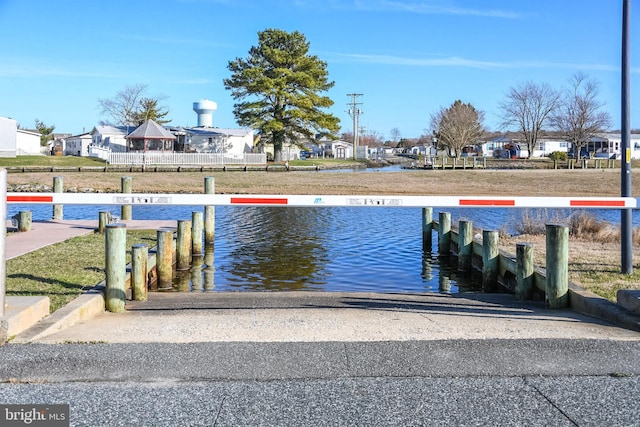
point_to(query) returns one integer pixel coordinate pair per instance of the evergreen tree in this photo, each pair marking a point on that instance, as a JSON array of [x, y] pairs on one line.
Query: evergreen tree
[[279, 86]]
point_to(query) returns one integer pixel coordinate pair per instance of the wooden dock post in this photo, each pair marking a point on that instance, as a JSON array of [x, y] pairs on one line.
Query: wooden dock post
[[125, 183], [465, 245], [164, 258], [139, 258], [197, 224], [104, 218], [444, 233], [557, 259], [209, 212], [57, 188], [183, 245], [24, 221], [490, 260], [524, 271], [427, 229], [115, 267]]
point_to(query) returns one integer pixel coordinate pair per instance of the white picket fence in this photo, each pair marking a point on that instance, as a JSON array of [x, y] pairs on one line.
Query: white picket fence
[[186, 159]]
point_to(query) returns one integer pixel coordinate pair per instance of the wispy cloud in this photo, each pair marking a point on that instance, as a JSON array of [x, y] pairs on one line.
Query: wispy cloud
[[424, 7], [195, 81], [43, 70], [170, 40], [455, 61]]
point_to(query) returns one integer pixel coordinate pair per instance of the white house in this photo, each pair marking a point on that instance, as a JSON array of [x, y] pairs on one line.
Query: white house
[[213, 140], [8, 135], [78, 145], [614, 146], [14, 141], [544, 147], [112, 137]]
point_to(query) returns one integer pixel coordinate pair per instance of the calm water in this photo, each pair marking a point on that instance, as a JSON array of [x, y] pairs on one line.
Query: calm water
[[329, 249]]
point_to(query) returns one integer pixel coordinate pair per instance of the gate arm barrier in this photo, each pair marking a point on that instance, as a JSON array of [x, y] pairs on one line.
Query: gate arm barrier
[[321, 200]]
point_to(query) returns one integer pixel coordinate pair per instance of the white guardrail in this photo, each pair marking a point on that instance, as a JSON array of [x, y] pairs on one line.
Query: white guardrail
[[322, 200]]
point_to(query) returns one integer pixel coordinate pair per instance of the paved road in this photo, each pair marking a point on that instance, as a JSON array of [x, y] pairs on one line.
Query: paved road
[[332, 359], [449, 382]]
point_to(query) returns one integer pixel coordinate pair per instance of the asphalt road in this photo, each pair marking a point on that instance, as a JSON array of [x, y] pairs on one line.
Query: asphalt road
[[439, 382]]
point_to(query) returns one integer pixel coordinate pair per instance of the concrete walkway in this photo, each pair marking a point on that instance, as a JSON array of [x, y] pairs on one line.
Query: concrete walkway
[[24, 312]]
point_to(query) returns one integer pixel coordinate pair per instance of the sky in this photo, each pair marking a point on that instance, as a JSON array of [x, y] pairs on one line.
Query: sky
[[408, 59]]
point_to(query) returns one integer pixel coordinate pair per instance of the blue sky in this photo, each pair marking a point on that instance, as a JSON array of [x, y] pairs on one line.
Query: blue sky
[[407, 58]]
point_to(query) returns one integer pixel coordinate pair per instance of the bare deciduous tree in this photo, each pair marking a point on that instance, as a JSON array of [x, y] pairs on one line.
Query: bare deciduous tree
[[578, 116], [528, 108], [458, 126], [129, 105], [395, 136]]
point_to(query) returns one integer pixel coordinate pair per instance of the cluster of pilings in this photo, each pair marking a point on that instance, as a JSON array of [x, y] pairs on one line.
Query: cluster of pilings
[[517, 274], [191, 251]]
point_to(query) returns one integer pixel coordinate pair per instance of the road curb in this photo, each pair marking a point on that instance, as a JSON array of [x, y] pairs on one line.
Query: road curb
[[84, 307], [586, 302]]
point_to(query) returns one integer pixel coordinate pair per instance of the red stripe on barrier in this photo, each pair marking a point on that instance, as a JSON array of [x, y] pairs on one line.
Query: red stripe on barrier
[[614, 203], [469, 202], [24, 199], [258, 201]]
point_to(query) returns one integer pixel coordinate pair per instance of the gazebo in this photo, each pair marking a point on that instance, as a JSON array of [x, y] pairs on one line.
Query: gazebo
[[150, 136]]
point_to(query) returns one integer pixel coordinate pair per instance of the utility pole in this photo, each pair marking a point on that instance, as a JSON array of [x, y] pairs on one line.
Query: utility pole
[[354, 112], [626, 228]]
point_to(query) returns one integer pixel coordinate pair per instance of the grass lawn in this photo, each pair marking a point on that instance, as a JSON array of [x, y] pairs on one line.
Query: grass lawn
[[59, 161], [64, 270]]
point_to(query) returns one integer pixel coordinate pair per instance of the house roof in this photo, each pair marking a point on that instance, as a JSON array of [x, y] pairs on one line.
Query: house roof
[[150, 130], [111, 130]]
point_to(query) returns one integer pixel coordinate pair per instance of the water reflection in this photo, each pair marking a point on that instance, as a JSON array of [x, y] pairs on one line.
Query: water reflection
[[329, 249], [276, 249]]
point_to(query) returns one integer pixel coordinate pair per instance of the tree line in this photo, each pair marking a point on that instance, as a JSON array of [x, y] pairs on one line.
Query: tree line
[[574, 113], [279, 91]]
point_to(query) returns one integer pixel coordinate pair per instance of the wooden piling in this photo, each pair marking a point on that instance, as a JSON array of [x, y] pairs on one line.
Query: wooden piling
[[125, 183], [139, 259], [197, 226], [444, 233], [104, 218], [490, 260], [24, 221], [209, 212], [465, 245], [427, 229], [524, 271], [164, 258], [183, 245], [557, 260], [115, 267], [57, 188]]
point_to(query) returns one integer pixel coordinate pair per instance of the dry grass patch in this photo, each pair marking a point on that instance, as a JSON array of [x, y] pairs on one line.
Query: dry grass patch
[[65, 270]]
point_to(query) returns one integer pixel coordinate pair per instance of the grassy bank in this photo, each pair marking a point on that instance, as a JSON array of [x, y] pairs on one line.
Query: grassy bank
[[64, 270]]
